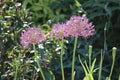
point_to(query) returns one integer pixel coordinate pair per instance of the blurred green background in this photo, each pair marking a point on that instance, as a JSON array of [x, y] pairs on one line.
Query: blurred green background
[[16, 15]]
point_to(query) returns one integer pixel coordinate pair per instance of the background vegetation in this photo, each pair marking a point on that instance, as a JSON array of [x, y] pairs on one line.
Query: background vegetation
[[16, 15]]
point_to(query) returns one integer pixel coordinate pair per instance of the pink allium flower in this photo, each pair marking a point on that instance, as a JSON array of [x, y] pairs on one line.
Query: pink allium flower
[[79, 26], [59, 31], [32, 35]]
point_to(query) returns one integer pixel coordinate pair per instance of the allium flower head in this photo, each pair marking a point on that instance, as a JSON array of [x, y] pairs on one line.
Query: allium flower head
[[32, 35], [79, 26], [59, 31]]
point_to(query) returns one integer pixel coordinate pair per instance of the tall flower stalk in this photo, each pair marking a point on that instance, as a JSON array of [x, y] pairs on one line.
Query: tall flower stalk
[[100, 68], [31, 36], [73, 59], [90, 54], [61, 59], [105, 39], [17, 63], [76, 26], [59, 31], [113, 62], [37, 61]]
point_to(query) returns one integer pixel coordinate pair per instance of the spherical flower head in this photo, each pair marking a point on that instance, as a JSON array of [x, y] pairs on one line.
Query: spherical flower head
[[59, 31], [79, 26], [32, 35]]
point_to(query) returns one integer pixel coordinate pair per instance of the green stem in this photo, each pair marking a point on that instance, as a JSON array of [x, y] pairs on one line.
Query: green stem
[[61, 60], [85, 70], [73, 58], [16, 67], [16, 71], [90, 54], [100, 69], [113, 62], [105, 39], [39, 66], [51, 73]]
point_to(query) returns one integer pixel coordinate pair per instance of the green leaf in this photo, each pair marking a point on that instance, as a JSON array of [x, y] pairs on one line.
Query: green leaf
[[85, 70], [51, 73], [91, 77], [108, 78], [36, 8], [77, 3], [95, 70], [88, 69], [88, 77], [119, 77], [26, 2], [9, 63], [93, 65]]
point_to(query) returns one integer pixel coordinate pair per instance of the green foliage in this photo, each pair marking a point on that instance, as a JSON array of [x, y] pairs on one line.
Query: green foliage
[[43, 10], [16, 15]]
